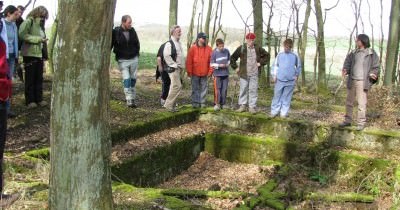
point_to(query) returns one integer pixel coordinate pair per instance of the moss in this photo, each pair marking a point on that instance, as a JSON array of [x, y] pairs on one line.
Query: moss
[[156, 166], [159, 122], [341, 197], [43, 153], [185, 193], [146, 198]]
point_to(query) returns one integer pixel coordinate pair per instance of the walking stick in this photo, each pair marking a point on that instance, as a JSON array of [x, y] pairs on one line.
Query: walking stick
[[340, 85]]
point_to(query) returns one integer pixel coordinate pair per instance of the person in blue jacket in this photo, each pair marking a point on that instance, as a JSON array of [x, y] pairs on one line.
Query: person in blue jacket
[[286, 70]]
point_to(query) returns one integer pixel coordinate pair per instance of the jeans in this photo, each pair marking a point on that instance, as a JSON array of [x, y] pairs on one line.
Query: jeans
[[199, 90], [249, 91], [220, 89], [283, 93], [128, 69]]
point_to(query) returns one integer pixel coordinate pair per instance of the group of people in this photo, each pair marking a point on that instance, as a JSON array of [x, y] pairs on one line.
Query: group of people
[[28, 38], [203, 63]]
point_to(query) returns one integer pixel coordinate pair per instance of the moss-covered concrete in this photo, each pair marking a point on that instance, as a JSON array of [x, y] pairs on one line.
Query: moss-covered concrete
[[340, 167], [38, 154], [160, 164], [161, 121], [380, 142], [149, 198]]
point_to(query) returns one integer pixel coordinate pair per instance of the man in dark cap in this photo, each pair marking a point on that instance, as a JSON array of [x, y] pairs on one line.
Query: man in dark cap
[[199, 69], [252, 57], [362, 67]]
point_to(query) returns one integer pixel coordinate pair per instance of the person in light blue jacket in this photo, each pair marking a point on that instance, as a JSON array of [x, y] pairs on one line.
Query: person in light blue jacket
[[9, 34], [286, 70]]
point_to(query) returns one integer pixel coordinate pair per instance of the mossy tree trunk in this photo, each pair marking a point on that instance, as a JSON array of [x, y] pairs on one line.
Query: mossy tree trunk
[[258, 30], [80, 176], [393, 44], [173, 13], [322, 86]]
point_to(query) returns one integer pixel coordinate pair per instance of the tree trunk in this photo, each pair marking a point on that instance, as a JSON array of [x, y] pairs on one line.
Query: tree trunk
[[208, 18], [52, 43], [321, 48], [191, 26], [270, 38], [80, 176], [173, 13], [258, 30], [303, 42], [392, 45]]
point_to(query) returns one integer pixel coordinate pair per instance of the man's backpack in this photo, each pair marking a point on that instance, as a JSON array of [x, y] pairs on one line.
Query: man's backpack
[[161, 54]]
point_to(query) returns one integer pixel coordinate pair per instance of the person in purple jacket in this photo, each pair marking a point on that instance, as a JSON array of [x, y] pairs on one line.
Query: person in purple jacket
[[220, 59]]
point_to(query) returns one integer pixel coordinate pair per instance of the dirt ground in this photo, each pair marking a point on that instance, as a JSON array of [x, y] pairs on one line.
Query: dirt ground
[[31, 130]]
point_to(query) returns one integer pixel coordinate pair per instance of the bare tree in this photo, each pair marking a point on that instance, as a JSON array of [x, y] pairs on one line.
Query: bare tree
[[356, 6], [217, 18], [269, 35], [191, 26], [371, 25], [392, 45], [173, 13], [208, 18], [303, 42], [80, 176], [321, 47], [382, 37]]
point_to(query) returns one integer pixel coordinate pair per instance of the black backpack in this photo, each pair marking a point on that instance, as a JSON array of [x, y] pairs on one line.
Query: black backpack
[[164, 64]]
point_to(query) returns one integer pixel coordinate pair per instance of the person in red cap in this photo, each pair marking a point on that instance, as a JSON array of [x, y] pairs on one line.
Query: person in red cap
[[252, 57], [199, 69]]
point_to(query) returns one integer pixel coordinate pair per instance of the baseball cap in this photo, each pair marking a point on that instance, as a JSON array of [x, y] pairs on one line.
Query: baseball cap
[[202, 35], [251, 36]]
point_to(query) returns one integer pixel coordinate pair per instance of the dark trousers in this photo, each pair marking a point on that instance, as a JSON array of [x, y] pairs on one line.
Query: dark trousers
[[220, 89], [33, 79], [3, 130], [166, 83]]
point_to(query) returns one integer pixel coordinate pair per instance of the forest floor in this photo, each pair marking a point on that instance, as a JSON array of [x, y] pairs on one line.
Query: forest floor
[[31, 130]]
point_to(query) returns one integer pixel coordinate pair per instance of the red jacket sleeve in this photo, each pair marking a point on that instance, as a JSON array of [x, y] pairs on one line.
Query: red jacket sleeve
[[189, 61]]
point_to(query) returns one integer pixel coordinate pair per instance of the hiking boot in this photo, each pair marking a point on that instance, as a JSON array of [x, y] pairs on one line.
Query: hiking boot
[[43, 103], [360, 127], [131, 103], [162, 101], [344, 124], [217, 107], [32, 105], [252, 110], [225, 106], [7, 200], [11, 114], [273, 115], [242, 108]]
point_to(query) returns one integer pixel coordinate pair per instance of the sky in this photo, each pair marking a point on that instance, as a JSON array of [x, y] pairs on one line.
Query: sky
[[338, 23]]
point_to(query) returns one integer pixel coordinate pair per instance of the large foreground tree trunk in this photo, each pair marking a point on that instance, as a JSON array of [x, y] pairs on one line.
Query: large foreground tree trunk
[[80, 176], [393, 44], [321, 48], [173, 13]]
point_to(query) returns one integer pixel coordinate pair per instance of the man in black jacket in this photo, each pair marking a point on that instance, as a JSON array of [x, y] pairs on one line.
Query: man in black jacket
[[126, 45]]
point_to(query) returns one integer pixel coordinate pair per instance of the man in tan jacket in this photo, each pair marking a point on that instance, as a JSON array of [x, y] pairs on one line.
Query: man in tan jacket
[[362, 67]]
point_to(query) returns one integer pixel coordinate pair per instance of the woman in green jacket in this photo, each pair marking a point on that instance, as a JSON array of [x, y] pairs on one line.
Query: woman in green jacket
[[33, 50]]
